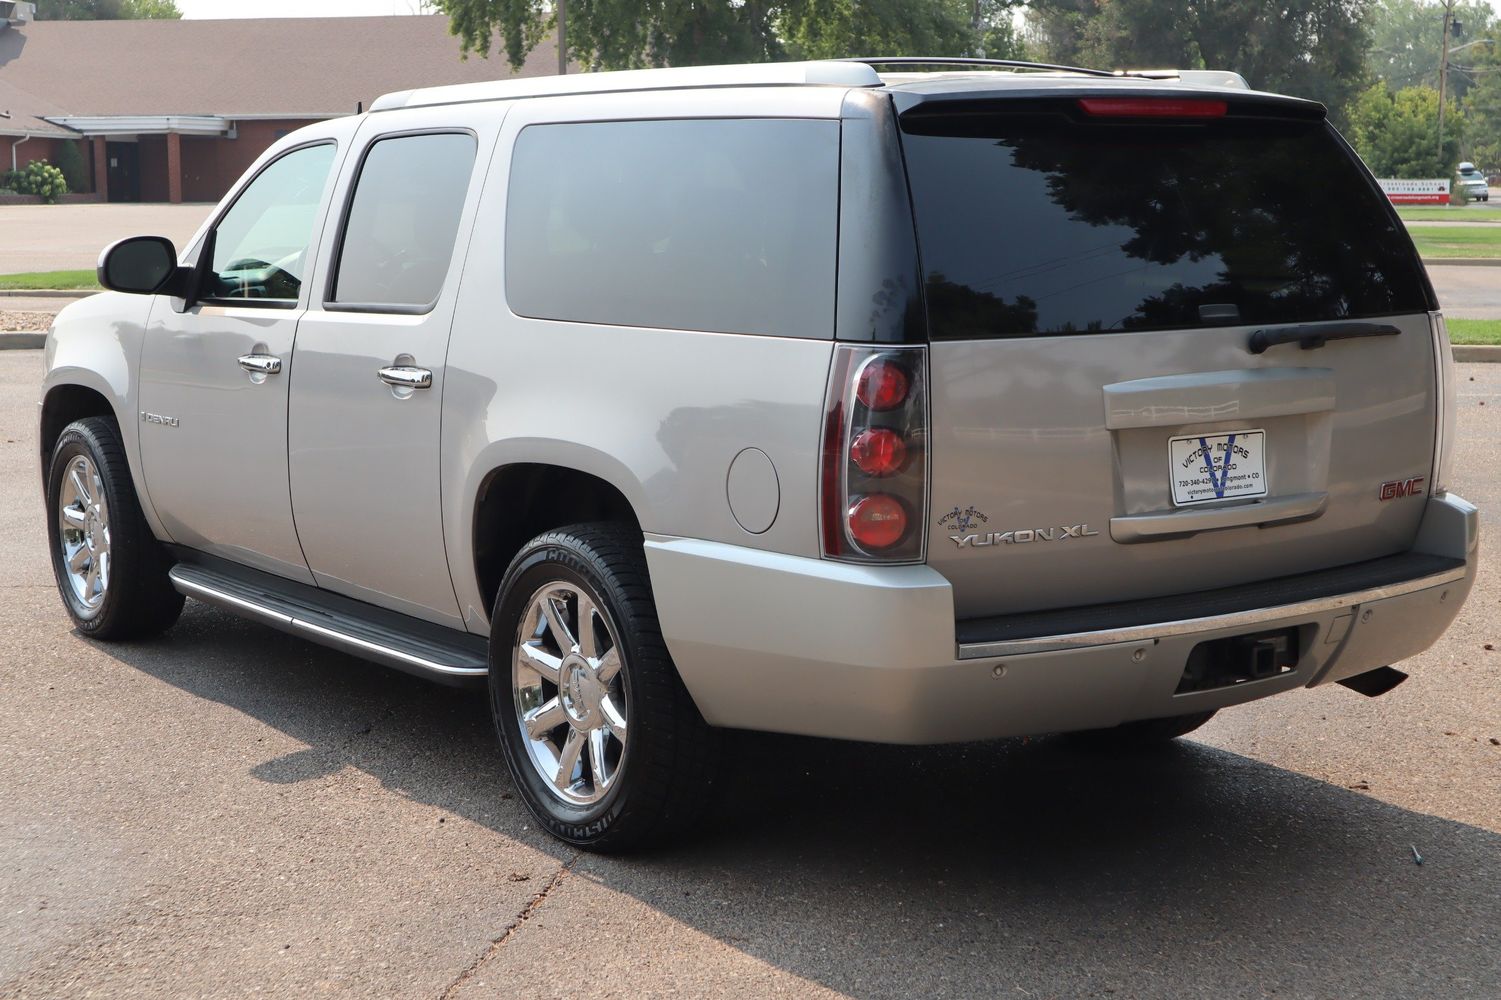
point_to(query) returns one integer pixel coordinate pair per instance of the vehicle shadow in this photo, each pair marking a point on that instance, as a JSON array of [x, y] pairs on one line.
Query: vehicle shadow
[[1013, 868]]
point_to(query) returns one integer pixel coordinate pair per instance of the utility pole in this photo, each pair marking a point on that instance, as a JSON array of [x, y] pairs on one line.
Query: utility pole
[[1443, 76], [562, 11]]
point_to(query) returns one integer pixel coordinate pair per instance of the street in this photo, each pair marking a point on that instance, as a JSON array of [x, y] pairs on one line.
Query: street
[[229, 811]]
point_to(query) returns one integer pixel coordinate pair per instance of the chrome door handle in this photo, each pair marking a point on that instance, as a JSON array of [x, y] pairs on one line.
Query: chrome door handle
[[260, 364], [406, 377]]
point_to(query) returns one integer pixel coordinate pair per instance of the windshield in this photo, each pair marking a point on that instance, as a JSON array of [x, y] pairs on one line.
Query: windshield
[[1039, 223]]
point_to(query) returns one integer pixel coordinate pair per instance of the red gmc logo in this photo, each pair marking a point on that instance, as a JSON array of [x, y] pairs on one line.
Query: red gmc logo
[[1402, 488]]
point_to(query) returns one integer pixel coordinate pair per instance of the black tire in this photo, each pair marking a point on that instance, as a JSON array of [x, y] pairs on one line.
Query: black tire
[[669, 760], [138, 599], [1142, 733]]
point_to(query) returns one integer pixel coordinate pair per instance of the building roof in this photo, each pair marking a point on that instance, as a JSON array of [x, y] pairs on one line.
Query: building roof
[[310, 67]]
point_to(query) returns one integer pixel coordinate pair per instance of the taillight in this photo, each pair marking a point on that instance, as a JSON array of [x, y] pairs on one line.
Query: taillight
[[883, 384], [879, 452], [877, 522], [873, 480]]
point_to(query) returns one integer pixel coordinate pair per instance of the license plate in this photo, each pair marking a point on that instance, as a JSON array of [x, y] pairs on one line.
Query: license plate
[[1208, 467]]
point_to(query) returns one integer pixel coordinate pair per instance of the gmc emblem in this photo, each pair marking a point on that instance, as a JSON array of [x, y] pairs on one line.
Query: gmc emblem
[[1402, 488]]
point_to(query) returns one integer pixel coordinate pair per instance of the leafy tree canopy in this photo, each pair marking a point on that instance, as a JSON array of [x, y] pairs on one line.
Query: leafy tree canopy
[[107, 10], [1310, 48], [1482, 104], [630, 34], [1396, 132], [1406, 36]]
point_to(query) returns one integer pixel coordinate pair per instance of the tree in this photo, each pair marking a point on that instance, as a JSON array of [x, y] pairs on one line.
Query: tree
[[622, 34], [628, 34], [1308, 48], [1406, 36], [1482, 105], [108, 10], [1396, 132]]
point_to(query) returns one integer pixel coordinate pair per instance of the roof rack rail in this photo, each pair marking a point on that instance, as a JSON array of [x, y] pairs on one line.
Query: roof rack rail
[[973, 61]]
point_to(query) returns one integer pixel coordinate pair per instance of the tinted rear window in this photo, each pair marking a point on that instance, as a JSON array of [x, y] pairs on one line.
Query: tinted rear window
[[1042, 224], [727, 226]]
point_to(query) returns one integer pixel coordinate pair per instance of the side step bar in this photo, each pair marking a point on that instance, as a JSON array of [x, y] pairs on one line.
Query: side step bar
[[408, 644]]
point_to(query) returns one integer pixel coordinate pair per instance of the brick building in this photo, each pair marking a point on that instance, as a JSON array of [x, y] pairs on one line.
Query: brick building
[[175, 111]]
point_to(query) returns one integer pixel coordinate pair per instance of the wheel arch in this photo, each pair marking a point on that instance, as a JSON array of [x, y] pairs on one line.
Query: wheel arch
[[520, 500], [62, 404]]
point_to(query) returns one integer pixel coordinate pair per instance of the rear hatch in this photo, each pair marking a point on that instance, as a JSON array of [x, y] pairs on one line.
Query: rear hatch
[[1098, 278]]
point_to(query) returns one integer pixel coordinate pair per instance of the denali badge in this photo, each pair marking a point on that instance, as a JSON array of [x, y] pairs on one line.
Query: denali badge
[[157, 418], [1024, 535], [1402, 488]]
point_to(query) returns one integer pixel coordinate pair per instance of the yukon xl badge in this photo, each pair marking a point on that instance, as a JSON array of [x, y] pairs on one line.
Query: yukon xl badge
[[962, 521]]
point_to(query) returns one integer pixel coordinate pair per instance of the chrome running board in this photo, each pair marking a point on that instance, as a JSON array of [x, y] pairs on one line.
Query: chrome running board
[[408, 644]]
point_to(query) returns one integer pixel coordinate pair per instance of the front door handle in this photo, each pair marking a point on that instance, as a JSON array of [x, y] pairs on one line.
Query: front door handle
[[260, 364], [406, 377]]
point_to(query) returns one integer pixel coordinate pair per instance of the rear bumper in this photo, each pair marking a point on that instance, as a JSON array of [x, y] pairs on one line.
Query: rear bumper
[[786, 644]]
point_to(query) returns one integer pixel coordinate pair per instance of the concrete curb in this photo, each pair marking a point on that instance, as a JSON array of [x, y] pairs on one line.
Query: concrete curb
[[1462, 261], [46, 293], [22, 341], [1477, 352]]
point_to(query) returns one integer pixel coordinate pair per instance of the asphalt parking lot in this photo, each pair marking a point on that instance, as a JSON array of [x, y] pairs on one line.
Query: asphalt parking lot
[[228, 811]]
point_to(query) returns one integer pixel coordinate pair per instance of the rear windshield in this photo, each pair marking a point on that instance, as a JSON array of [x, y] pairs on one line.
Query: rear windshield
[[1033, 224]]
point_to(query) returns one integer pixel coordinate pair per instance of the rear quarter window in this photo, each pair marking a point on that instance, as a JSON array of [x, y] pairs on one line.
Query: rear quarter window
[[725, 226], [1045, 224]]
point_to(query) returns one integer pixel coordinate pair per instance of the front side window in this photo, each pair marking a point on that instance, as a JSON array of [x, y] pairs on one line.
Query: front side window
[[724, 226], [260, 245], [399, 234]]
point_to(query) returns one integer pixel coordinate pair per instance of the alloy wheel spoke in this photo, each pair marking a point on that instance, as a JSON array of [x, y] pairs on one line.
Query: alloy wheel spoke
[[544, 718], [568, 759], [555, 622], [91, 578], [597, 759], [540, 661], [609, 666], [80, 490], [103, 572], [586, 615], [614, 718], [75, 515], [79, 559]]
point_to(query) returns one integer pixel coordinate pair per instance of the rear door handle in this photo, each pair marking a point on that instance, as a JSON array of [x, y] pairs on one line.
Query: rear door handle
[[260, 364], [406, 377]]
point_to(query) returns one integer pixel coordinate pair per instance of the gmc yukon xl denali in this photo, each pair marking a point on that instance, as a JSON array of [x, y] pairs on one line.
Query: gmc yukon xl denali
[[880, 400]]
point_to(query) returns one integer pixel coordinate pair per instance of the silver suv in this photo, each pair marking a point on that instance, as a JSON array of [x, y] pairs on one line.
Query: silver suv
[[938, 404]]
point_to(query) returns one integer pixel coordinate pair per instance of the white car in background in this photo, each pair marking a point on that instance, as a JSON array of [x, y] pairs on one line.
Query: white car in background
[[1471, 184]]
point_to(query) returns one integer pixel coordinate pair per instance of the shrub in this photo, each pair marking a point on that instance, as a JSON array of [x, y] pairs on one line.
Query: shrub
[[70, 162], [39, 178]]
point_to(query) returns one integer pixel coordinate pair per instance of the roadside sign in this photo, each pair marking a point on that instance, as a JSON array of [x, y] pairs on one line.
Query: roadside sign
[[1416, 192]]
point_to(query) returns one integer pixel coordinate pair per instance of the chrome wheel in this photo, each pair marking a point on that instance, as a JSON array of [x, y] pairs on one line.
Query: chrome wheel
[[83, 532], [570, 693]]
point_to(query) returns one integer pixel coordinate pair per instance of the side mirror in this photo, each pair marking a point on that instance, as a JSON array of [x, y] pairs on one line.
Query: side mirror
[[143, 265]]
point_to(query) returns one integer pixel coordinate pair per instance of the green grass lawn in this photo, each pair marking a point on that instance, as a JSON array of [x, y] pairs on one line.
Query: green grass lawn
[[1443, 241], [1448, 213], [49, 280], [1474, 331]]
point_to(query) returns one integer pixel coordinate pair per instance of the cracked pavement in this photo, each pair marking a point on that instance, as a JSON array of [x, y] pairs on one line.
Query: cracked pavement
[[229, 811]]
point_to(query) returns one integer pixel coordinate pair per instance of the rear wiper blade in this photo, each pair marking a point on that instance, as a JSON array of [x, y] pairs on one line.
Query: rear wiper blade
[[1311, 336]]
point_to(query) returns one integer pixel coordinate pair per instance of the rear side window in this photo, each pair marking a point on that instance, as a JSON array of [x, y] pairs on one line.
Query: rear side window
[[726, 226], [1043, 224], [399, 233]]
